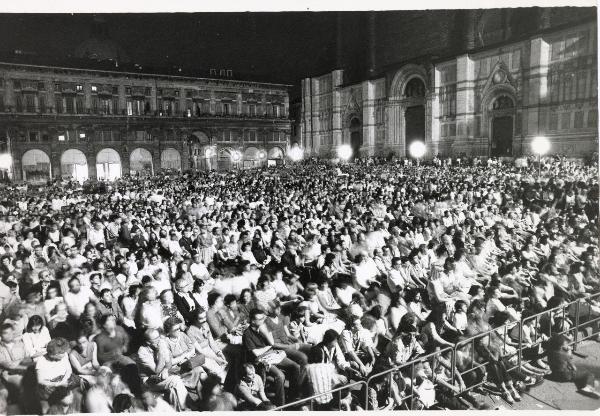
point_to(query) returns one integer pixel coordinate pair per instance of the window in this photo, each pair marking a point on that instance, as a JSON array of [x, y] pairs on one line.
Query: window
[[115, 105], [252, 110], [148, 91], [69, 105], [33, 136], [42, 100], [553, 124], [448, 101], [226, 109], [95, 105], [129, 108], [79, 88], [565, 121], [578, 122], [592, 120], [105, 106], [79, 105], [115, 90], [59, 105], [176, 93], [29, 103], [19, 103], [1, 102], [94, 88], [128, 90], [41, 86]]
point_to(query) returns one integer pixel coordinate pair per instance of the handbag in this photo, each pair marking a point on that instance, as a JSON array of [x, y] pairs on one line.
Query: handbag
[[271, 357], [196, 361]]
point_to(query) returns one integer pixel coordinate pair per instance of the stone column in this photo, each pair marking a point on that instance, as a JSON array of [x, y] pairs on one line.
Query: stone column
[[337, 79], [393, 123], [368, 104], [465, 98], [538, 85], [91, 162]]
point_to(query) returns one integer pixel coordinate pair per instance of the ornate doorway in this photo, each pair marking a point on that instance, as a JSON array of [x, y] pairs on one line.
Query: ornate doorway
[[356, 139], [415, 126], [502, 127]]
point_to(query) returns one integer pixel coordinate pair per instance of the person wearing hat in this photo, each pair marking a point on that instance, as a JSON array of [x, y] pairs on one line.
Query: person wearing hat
[[185, 302]]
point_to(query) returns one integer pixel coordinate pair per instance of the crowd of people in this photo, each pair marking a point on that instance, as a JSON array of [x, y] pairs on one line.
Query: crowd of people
[[247, 290]]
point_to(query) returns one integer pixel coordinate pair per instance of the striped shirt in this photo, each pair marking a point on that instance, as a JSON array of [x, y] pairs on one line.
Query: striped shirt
[[322, 378]]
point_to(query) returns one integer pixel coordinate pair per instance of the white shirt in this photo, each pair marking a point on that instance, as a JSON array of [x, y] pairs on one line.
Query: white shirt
[[199, 270], [76, 301]]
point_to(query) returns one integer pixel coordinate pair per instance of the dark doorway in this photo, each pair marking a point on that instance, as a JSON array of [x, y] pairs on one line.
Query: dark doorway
[[415, 125], [502, 136], [356, 139]]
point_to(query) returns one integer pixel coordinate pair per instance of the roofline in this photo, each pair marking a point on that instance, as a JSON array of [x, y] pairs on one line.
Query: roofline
[[143, 74]]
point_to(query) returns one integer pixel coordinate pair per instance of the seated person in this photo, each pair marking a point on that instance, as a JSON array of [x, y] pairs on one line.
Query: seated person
[[250, 391]]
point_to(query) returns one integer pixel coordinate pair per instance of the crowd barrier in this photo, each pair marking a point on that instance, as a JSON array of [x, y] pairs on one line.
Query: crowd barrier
[[577, 316]]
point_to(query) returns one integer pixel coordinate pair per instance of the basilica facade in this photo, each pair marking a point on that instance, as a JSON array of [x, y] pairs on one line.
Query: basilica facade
[[499, 89]]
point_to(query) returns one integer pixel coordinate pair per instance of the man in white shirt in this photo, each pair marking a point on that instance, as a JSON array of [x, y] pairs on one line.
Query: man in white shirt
[[77, 297], [198, 269], [95, 234]]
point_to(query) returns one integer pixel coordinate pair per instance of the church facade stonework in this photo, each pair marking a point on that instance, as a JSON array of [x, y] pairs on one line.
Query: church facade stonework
[[490, 101]]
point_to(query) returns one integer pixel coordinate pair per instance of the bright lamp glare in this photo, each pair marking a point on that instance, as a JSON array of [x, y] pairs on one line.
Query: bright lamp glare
[[262, 155], [540, 145], [417, 149], [236, 156], [5, 161], [296, 154], [209, 153], [344, 152]]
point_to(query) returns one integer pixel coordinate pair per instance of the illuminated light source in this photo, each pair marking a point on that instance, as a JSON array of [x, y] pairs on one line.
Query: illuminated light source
[[209, 152], [5, 161], [344, 152], [236, 156], [540, 145], [82, 135], [262, 155], [296, 154], [417, 149], [61, 138]]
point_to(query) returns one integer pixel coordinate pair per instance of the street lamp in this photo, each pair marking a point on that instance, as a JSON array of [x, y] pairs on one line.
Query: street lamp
[[344, 152], [417, 150], [296, 154], [540, 145], [236, 157]]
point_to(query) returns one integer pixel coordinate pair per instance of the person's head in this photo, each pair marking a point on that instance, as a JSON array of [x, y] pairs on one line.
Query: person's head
[[74, 285], [106, 295], [35, 324], [108, 322], [215, 300], [57, 348], [7, 333], [330, 338], [152, 337], [166, 297], [90, 309], [230, 302], [173, 327], [148, 399], [248, 371], [257, 317], [460, 306], [123, 403], [245, 296], [61, 396]]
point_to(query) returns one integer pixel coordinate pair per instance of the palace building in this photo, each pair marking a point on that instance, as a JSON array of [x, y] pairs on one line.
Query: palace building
[[77, 122], [485, 84]]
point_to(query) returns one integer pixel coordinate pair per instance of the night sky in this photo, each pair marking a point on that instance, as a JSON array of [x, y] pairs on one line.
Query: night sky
[[281, 47]]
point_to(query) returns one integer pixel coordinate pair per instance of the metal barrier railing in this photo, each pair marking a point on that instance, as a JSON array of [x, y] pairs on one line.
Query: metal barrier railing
[[311, 400], [572, 311], [401, 371]]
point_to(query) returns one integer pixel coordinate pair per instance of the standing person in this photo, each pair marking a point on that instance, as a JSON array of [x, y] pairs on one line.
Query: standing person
[[258, 341]]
